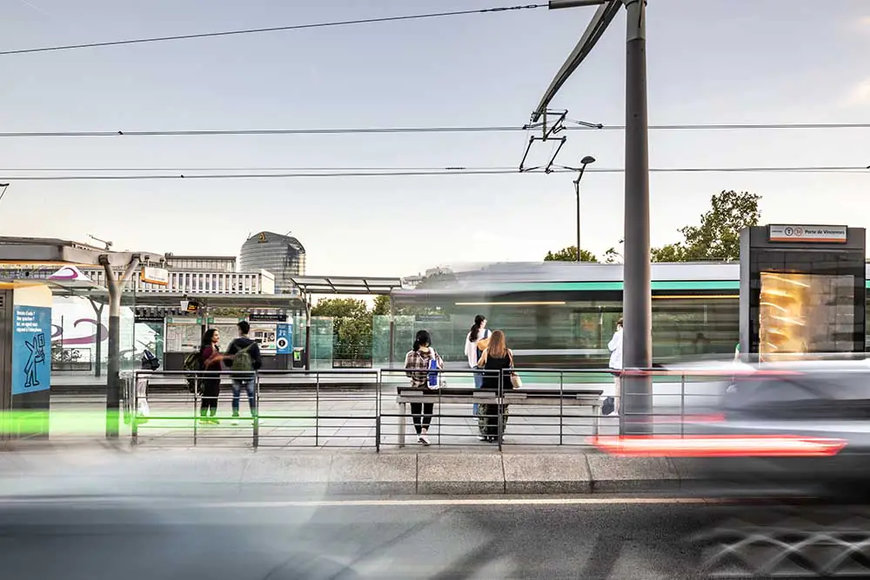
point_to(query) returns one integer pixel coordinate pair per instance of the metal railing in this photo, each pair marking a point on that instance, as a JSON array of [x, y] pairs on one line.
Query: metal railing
[[369, 408], [291, 408]]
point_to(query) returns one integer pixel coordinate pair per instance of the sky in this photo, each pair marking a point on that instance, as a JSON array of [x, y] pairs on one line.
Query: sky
[[709, 61]]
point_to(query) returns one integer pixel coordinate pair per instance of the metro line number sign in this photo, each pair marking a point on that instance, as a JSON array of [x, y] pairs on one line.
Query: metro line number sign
[[808, 234]]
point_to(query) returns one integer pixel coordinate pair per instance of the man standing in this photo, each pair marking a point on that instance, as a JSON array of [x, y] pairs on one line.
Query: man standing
[[611, 404], [243, 356]]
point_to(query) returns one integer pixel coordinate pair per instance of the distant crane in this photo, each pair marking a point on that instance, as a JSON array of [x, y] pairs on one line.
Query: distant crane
[[96, 239]]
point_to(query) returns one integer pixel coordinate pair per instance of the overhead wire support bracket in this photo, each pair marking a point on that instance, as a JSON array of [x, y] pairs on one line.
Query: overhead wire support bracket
[[548, 133]]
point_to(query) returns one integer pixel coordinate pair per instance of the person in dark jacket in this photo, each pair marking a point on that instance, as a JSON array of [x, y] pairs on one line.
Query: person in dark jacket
[[244, 347], [211, 358]]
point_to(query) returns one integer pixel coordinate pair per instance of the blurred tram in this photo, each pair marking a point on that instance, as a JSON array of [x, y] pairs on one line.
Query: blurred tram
[[562, 314]]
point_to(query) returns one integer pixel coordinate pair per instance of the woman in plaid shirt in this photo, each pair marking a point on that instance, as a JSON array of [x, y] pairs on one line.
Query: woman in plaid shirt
[[420, 358]]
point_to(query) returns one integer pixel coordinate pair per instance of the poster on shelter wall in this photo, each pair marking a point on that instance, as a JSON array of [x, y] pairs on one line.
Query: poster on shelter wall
[[31, 349], [266, 335]]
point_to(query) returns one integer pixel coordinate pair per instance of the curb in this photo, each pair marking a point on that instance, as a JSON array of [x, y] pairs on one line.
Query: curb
[[304, 472]]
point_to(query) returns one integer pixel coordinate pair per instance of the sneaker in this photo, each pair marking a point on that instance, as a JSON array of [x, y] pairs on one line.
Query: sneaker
[[424, 440], [214, 421], [235, 420], [482, 438]]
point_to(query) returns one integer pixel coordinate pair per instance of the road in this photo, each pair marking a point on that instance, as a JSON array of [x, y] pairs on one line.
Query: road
[[248, 537]]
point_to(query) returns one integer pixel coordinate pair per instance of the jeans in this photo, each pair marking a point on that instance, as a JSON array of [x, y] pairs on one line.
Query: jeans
[[421, 413], [237, 391]]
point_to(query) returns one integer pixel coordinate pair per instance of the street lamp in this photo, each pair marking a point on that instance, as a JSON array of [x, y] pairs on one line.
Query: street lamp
[[583, 163]]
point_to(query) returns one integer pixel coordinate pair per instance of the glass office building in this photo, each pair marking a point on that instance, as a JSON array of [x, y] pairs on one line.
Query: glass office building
[[283, 256]]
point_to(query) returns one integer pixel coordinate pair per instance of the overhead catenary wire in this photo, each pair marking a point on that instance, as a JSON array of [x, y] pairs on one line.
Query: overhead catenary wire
[[418, 129], [480, 171], [286, 28]]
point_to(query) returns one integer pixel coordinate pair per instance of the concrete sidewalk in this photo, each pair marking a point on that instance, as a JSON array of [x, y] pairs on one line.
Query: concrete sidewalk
[[39, 468]]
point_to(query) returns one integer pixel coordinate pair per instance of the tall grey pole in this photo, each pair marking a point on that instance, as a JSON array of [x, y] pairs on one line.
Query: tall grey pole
[[577, 191], [637, 301], [307, 333], [98, 346], [113, 372]]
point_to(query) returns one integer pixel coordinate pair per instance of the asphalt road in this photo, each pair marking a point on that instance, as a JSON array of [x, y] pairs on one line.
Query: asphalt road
[[245, 537]]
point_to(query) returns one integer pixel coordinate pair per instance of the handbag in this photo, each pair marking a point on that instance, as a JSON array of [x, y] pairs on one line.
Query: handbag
[[483, 343], [516, 381]]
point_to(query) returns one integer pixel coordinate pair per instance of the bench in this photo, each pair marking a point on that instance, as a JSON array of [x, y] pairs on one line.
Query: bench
[[524, 396]]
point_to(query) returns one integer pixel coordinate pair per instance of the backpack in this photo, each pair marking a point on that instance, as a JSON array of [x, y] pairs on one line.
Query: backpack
[[193, 363], [242, 360], [149, 361]]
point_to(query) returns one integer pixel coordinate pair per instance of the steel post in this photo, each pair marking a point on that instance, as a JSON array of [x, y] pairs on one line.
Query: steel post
[[637, 301]]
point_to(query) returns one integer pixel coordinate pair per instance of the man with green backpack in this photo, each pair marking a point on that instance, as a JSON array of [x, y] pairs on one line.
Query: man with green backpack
[[243, 356]]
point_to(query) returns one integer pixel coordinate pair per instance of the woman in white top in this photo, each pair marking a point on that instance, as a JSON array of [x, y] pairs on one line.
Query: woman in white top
[[615, 347], [475, 343]]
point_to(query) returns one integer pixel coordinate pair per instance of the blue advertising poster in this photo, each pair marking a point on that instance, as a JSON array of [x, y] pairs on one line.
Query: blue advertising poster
[[284, 340], [31, 349]]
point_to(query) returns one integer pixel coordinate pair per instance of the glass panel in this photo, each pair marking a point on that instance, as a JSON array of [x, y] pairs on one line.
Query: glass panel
[[803, 313]]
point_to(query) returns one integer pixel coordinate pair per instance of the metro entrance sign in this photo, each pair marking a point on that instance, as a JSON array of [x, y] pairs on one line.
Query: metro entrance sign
[[808, 234]]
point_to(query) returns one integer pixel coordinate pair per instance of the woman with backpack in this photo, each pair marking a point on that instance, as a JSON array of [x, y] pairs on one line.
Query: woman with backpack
[[422, 357], [211, 359]]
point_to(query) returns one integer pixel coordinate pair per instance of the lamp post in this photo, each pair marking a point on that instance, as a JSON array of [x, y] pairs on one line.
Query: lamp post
[[583, 163]]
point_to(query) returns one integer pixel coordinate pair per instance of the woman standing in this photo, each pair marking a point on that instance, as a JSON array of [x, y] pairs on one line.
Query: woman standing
[[496, 358], [421, 357], [611, 404], [475, 343], [211, 357]]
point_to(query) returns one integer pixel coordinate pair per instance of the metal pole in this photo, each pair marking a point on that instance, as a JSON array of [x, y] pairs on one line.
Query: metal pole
[[256, 411], [98, 345], [307, 333], [113, 376], [637, 302], [392, 331], [577, 190]]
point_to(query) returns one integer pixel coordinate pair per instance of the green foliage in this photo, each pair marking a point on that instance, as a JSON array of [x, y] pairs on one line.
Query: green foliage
[[352, 326], [382, 306], [612, 255], [569, 254], [340, 308], [718, 235]]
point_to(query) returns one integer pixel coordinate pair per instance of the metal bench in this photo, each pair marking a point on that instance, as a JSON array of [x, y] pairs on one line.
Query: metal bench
[[524, 396]]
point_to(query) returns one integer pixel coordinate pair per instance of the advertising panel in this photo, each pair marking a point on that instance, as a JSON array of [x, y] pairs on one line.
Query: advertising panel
[[31, 349]]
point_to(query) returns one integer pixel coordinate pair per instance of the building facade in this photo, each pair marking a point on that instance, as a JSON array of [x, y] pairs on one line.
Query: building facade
[[201, 263], [283, 256]]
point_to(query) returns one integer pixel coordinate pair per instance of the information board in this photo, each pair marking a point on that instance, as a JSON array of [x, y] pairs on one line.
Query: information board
[[31, 349]]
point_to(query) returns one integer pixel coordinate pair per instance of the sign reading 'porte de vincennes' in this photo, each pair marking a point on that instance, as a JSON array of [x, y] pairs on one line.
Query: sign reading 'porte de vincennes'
[[812, 234]]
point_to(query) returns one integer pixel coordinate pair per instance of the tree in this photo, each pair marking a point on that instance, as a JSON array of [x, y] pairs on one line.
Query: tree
[[352, 326], [569, 254], [382, 306], [612, 255], [718, 235], [340, 308]]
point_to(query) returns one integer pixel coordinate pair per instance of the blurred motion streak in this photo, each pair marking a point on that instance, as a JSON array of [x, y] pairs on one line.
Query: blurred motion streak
[[719, 446]]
